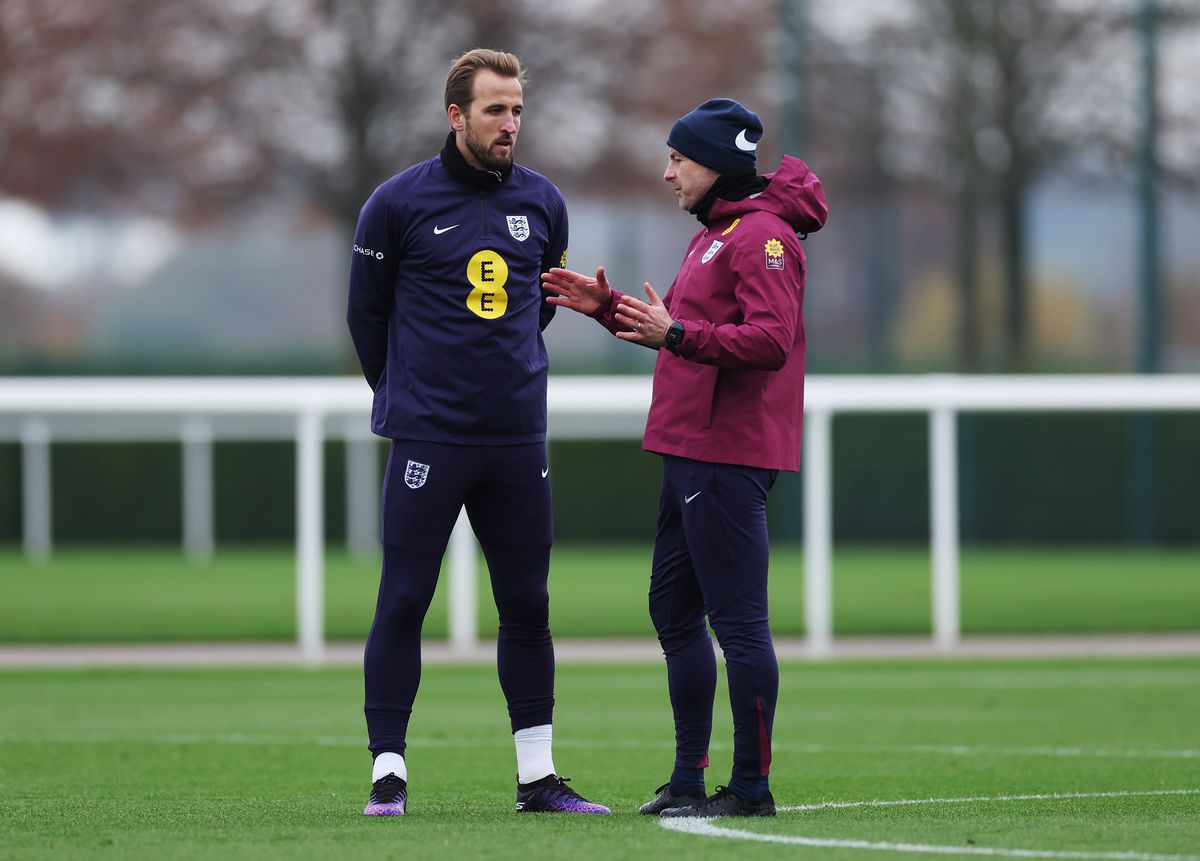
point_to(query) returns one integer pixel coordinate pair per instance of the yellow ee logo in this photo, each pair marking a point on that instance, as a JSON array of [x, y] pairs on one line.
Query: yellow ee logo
[[488, 273]]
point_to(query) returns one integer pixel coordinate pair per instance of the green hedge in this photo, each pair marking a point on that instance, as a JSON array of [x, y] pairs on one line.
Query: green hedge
[[1023, 478]]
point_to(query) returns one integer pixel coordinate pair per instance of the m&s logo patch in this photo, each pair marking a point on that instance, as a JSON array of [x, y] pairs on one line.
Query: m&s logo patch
[[774, 249]]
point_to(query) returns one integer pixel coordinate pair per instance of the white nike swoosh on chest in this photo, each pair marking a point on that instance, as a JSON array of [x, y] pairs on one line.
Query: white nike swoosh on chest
[[688, 499], [438, 231]]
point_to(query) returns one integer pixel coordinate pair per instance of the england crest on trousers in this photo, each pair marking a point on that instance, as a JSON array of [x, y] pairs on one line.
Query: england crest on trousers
[[415, 474], [518, 226]]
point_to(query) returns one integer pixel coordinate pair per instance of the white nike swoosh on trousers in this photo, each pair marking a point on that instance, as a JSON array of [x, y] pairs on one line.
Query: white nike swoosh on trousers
[[545, 472], [438, 231], [688, 499]]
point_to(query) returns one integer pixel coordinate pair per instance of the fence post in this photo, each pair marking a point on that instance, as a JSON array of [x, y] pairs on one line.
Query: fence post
[[362, 491], [463, 589], [310, 537], [197, 488], [36, 489], [818, 532], [943, 501]]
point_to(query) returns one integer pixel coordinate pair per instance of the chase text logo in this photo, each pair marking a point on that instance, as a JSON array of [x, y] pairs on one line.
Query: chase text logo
[[368, 252]]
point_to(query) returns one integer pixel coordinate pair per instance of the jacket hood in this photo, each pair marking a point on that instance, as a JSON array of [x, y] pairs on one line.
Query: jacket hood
[[794, 194]]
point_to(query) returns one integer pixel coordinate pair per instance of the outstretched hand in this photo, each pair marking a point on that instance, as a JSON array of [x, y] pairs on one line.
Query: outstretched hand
[[648, 321], [576, 291]]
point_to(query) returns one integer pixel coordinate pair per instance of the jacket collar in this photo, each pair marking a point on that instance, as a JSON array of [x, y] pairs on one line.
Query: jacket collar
[[794, 194], [483, 180], [728, 186]]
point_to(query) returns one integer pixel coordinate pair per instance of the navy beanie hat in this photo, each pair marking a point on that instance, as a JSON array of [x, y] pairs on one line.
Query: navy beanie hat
[[720, 134]]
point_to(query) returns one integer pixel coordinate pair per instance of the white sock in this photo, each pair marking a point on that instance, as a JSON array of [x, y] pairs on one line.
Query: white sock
[[534, 760], [389, 763]]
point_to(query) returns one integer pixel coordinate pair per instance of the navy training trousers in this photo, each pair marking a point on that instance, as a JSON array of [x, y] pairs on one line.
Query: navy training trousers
[[710, 560], [506, 492]]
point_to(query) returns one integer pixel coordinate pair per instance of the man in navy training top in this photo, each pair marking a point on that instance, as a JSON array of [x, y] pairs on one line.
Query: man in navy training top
[[725, 416], [446, 314]]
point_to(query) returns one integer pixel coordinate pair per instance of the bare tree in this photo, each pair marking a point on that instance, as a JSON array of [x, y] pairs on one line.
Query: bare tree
[[193, 106], [188, 108], [984, 97]]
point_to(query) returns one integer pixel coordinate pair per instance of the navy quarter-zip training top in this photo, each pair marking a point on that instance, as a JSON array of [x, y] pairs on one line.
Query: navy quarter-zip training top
[[446, 309]]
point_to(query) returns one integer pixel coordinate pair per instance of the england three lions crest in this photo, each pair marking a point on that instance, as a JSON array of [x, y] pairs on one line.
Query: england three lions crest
[[415, 474], [518, 226], [712, 249]]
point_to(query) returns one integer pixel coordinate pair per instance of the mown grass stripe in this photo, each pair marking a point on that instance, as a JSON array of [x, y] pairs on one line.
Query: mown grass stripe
[[500, 740], [900, 802]]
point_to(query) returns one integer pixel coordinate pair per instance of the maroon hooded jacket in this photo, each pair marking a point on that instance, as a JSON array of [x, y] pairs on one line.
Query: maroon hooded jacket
[[734, 390]]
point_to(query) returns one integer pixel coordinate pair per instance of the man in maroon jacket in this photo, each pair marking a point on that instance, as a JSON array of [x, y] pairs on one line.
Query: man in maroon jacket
[[726, 417]]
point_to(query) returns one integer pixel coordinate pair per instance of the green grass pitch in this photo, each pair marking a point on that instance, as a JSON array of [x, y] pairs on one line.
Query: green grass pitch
[[124, 593], [271, 764]]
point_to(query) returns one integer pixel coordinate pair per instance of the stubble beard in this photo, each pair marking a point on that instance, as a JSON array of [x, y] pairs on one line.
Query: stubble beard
[[483, 152]]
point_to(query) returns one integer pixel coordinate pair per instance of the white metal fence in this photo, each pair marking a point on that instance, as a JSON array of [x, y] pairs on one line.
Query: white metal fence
[[195, 412]]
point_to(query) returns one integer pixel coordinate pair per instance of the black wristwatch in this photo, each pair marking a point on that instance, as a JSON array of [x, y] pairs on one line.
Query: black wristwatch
[[674, 336]]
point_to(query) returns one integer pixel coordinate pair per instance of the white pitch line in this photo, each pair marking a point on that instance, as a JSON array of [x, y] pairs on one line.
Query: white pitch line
[[710, 828], [706, 828]]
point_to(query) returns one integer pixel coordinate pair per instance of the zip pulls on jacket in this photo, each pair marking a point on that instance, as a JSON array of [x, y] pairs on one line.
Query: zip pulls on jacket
[[483, 198]]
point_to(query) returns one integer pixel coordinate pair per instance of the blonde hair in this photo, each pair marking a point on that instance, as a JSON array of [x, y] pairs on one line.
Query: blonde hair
[[462, 73]]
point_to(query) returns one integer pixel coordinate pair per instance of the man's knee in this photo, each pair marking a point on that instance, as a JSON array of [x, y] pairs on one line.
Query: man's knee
[[404, 606], [527, 608], [739, 636], [675, 631]]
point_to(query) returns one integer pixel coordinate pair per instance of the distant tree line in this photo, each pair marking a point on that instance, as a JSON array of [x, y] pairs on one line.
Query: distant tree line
[[192, 110]]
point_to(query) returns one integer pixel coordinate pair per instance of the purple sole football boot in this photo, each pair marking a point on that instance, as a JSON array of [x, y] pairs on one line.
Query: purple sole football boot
[[389, 797], [552, 795]]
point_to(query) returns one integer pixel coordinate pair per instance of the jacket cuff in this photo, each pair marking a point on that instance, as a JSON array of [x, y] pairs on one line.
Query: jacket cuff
[[604, 314], [690, 344]]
